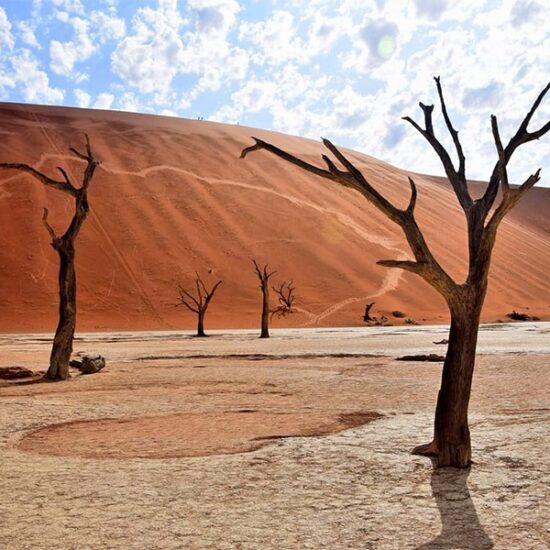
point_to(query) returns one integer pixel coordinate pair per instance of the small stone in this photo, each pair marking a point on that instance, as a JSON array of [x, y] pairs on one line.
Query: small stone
[[90, 364]]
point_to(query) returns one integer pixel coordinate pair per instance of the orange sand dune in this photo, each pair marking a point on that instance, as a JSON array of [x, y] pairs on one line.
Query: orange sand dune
[[172, 197]]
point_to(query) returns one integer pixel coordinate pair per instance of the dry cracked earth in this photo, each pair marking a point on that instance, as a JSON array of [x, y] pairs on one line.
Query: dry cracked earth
[[299, 442]]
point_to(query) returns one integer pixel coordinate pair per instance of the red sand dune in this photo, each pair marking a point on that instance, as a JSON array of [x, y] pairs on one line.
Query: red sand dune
[[172, 197]]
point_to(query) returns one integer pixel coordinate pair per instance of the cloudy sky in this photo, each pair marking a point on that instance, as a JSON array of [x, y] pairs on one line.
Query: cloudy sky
[[347, 70]]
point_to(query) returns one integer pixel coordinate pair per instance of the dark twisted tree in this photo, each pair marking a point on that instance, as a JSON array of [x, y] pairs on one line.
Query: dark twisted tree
[[285, 298], [263, 276], [367, 316], [64, 245], [451, 443], [199, 302]]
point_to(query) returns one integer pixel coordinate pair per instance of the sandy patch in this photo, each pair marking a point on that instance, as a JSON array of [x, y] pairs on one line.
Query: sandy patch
[[183, 435]]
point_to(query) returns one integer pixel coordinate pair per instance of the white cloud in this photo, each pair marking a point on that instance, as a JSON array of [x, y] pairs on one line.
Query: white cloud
[[27, 34], [34, 82], [525, 11], [165, 45], [432, 9], [107, 27], [104, 101], [149, 58], [214, 15], [485, 96], [274, 41], [347, 70], [82, 98], [6, 37], [74, 6], [62, 16], [64, 55], [89, 35], [128, 101]]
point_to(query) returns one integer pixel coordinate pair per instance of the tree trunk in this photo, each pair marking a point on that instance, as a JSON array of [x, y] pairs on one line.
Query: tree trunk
[[265, 311], [64, 334], [200, 324], [451, 443]]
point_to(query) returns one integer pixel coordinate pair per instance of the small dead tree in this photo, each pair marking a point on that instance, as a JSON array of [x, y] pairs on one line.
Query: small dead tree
[[286, 297], [366, 316], [199, 302], [451, 443], [263, 276], [64, 245]]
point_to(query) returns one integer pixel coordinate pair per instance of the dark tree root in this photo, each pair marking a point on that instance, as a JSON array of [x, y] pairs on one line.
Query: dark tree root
[[428, 449], [457, 459]]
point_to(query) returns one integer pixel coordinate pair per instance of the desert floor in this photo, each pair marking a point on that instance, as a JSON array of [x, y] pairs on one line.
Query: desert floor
[[300, 441]]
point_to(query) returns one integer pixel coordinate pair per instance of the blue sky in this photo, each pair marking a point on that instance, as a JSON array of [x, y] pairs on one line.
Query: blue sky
[[347, 70]]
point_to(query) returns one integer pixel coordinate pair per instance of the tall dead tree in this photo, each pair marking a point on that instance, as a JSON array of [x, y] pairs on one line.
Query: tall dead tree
[[451, 442], [285, 297], [199, 302], [263, 276], [64, 245]]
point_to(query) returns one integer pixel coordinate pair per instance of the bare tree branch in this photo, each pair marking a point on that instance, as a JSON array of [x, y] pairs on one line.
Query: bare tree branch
[[456, 178], [354, 179], [331, 166], [521, 137], [510, 200], [210, 294], [64, 186], [285, 295], [260, 144], [412, 202], [428, 113], [65, 176], [48, 227], [503, 173], [78, 154], [454, 134], [187, 299], [407, 265], [523, 126], [263, 274], [88, 147], [199, 302]]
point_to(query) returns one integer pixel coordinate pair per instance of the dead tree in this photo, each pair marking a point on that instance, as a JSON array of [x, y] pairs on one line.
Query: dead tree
[[199, 302], [451, 442], [263, 277], [64, 245], [366, 316], [286, 297]]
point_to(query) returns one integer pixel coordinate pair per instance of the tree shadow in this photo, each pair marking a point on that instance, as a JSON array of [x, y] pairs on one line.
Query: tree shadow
[[460, 523]]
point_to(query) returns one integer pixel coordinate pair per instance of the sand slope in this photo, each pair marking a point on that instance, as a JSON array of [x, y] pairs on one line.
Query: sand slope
[[172, 197]]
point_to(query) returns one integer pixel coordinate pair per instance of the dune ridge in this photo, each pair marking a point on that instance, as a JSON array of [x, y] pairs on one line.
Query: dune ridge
[[172, 197]]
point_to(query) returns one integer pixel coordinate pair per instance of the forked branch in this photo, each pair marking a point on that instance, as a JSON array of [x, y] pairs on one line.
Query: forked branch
[[49, 228], [522, 135], [199, 301], [286, 297], [454, 134], [457, 177], [502, 171], [353, 178], [65, 185], [509, 200], [263, 273]]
